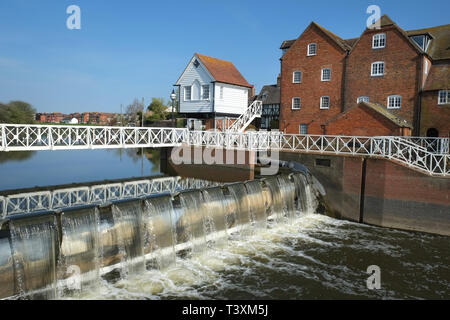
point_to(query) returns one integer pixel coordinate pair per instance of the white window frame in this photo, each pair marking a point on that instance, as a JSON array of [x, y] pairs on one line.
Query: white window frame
[[304, 125], [299, 103], [321, 103], [322, 78], [293, 76], [362, 99], [190, 93], [221, 93], [377, 74], [202, 91], [447, 97], [378, 37], [309, 50], [395, 96]]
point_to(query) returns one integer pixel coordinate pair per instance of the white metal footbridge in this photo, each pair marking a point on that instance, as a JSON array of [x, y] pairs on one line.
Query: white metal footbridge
[[428, 155], [48, 200]]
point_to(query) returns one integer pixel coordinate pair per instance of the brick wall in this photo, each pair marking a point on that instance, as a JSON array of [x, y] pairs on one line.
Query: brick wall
[[361, 121], [401, 77], [311, 88], [434, 115]]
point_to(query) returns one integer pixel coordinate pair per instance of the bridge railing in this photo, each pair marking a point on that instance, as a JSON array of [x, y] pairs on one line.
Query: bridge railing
[[94, 194], [393, 148], [54, 137]]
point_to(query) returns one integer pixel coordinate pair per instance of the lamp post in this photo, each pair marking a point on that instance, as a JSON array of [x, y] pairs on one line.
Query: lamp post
[[173, 96]]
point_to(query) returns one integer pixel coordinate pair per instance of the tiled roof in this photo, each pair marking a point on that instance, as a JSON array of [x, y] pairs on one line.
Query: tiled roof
[[384, 112], [438, 49], [340, 42], [438, 78], [223, 71], [381, 110], [287, 44], [270, 94]]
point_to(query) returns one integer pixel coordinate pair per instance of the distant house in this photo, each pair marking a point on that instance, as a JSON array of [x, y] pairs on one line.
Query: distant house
[[270, 97], [70, 120], [212, 92]]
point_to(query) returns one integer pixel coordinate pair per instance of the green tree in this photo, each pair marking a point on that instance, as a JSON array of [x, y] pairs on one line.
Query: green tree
[[17, 112], [158, 109]]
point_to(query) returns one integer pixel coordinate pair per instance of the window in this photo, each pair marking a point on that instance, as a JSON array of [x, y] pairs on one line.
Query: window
[[444, 97], [221, 92], [377, 69], [297, 77], [326, 74], [362, 99], [296, 103], [379, 41], [196, 63], [187, 93], [312, 49], [422, 41], [303, 128], [325, 103], [205, 92], [394, 102]]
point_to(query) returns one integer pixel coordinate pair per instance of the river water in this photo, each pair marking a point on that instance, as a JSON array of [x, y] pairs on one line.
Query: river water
[[309, 257], [313, 257]]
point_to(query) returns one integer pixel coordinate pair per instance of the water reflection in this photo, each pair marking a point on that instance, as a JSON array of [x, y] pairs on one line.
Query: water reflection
[[41, 168]]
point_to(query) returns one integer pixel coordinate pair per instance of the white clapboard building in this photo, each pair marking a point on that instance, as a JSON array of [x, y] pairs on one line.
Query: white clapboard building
[[212, 93]]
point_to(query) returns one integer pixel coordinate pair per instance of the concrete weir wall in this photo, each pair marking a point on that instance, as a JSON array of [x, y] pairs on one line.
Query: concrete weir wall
[[380, 192]]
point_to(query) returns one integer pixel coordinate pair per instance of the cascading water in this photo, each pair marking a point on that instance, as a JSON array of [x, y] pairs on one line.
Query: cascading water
[[81, 252], [191, 225], [161, 230], [130, 231], [220, 210], [138, 236], [35, 244], [257, 204]]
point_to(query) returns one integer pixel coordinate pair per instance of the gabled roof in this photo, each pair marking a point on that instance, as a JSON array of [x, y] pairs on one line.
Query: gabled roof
[[439, 47], [223, 71], [339, 41], [438, 78], [269, 94], [379, 109], [385, 113]]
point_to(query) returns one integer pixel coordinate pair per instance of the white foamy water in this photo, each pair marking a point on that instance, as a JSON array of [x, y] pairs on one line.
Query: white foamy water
[[308, 257]]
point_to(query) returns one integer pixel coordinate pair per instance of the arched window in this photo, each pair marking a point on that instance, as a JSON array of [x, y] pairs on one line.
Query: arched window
[[196, 90]]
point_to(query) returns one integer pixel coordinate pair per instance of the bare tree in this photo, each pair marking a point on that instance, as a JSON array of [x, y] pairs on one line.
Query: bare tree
[[133, 111]]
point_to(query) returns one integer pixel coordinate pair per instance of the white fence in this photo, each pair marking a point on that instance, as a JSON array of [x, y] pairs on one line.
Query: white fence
[[94, 194], [41, 137], [429, 155]]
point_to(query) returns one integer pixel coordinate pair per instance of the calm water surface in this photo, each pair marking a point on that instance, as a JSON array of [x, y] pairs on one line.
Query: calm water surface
[[42, 168]]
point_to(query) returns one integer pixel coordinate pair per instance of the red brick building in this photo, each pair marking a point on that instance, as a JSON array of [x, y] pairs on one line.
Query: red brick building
[[403, 75]]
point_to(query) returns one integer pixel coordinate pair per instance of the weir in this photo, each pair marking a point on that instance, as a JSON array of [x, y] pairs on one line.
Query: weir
[[50, 255]]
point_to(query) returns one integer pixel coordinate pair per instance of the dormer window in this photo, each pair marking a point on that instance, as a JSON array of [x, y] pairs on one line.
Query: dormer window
[[312, 49], [422, 41], [379, 41]]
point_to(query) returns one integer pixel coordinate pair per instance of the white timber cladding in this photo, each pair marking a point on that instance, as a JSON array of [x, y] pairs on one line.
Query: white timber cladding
[[233, 100], [196, 78]]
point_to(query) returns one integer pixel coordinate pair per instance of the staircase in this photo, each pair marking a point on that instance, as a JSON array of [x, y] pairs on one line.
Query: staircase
[[252, 112]]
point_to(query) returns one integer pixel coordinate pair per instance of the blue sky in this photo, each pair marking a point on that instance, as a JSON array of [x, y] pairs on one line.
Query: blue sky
[[128, 49]]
